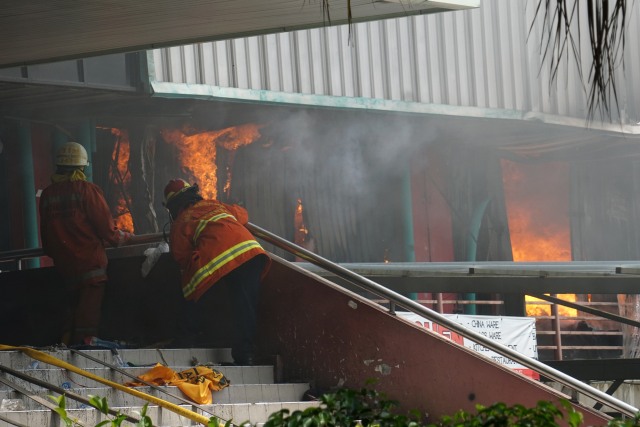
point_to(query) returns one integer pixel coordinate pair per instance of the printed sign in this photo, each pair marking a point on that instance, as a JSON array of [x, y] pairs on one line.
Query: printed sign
[[517, 333]]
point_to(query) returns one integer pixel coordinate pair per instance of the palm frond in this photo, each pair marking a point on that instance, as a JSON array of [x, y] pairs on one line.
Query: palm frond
[[327, 16], [325, 11], [606, 22]]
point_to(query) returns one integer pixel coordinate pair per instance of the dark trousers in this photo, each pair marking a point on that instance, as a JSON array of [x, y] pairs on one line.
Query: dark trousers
[[243, 286], [84, 312]]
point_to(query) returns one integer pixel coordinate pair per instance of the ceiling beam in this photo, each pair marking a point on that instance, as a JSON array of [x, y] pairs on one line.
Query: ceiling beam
[[42, 31]]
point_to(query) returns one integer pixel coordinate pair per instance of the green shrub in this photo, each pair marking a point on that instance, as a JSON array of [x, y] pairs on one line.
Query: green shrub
[[501, 415], [346, 407], [369, 408], [100, 403]]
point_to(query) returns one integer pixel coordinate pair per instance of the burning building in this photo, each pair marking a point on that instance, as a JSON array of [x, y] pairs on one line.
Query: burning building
[[427, 162], [375, 188]]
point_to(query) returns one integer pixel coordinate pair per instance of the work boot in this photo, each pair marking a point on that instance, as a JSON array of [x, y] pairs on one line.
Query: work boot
[[248, 360]]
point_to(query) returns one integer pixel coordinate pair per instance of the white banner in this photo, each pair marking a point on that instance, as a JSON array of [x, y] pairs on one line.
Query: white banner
[[517, 333]]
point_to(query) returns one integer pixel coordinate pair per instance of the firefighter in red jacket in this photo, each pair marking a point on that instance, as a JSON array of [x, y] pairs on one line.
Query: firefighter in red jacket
[[75, 223], [209, 241]]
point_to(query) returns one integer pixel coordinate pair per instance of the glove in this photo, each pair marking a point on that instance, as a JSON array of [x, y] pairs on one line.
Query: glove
[[152, 257]]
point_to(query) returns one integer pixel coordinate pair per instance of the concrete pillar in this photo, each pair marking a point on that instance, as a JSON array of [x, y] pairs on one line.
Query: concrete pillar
[[409, 241], [28, 191], [87, 138]]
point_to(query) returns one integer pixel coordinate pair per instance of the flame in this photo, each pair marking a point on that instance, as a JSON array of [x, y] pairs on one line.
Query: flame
[[235, 137], [537, 307], [301, 232], [539, 230], [197, 155], [198, 152], [121, 177], [301, 235], [227, 185]]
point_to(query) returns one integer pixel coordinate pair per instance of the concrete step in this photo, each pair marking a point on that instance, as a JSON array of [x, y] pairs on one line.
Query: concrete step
[[252, 396], [235, 374], [123, 357], [241, 393]]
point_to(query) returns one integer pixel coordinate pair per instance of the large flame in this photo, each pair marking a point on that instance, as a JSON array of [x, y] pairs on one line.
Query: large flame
[[121, 178], [198, 152], [538, 219]]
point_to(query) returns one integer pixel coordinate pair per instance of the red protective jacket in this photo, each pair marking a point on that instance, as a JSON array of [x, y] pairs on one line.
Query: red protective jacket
[[209, 240], [75, 223]]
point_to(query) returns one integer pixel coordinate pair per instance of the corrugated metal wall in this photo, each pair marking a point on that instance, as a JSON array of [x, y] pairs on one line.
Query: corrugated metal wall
[[478, 58]]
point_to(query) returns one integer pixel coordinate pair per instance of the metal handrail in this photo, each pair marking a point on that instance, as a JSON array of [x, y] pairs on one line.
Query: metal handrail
[[136, 378], [20, 254], [410, 305], [54, 388]]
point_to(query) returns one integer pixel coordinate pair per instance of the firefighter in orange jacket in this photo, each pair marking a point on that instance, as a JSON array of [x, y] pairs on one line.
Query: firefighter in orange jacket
[[209, 241], [75, 221]]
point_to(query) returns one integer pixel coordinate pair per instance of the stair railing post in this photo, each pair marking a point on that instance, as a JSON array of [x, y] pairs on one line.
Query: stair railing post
[[557, 337]]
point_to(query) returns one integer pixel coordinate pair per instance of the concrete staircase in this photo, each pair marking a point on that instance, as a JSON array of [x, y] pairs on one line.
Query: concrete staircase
[[253, 395]]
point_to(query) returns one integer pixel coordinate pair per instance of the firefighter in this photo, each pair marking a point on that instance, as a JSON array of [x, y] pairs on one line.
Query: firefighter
[[75, 223], [210, 243]]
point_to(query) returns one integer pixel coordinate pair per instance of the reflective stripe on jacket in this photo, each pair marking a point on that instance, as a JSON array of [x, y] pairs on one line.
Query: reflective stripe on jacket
[[74, 222], [209, 240]]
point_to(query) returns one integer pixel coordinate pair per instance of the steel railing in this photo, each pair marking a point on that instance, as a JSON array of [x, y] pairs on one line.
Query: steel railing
[[414, 307], [397, 299], [20, 255]]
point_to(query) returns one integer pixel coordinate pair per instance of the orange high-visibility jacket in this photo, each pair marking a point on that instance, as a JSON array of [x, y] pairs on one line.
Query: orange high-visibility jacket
[[75, 221], [209, 240]]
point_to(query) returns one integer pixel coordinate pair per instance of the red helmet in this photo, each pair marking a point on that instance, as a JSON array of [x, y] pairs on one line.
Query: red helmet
[[173, 188]]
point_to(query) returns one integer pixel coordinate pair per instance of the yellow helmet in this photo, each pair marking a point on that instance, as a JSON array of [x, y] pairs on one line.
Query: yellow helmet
[[71, 154]]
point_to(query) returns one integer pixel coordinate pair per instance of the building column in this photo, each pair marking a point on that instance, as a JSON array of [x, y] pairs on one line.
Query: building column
[[409, 241], [5, 235], [87, 138], [28, 190]]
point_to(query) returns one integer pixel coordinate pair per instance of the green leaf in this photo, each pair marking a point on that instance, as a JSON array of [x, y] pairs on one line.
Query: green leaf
[[100, 403], [59, 400]]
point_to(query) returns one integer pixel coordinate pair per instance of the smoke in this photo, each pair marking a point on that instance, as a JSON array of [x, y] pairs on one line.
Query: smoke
[[363, 149], [351, 168]]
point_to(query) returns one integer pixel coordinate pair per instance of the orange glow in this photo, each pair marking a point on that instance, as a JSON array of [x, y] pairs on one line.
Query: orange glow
[[235, 137], [536, 198], [301, 234], [536, 233], [121, 177], [227, 185], [198, 151], [197, 155], [301, 231], [544, 308]]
